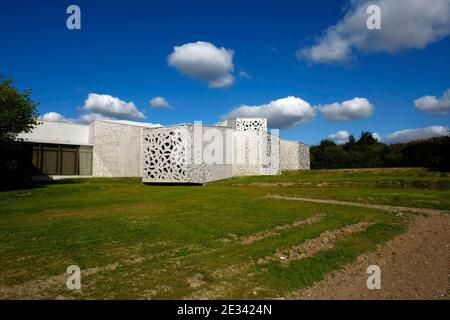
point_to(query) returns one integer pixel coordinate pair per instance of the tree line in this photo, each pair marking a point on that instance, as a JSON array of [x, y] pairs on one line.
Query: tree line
[[368, 152]]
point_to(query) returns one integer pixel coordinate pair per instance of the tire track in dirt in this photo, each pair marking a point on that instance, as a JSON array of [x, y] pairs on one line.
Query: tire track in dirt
[[325, 241], [427, 211], [276, 231], [310, 247]]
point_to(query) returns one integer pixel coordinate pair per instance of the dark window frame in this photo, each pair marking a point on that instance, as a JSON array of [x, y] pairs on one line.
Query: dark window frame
[[60, 166]]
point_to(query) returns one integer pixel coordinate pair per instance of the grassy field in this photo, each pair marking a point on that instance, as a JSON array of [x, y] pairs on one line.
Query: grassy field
[[223, 240]]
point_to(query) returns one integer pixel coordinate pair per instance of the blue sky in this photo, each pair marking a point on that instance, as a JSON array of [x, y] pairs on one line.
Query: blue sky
[[123, 47]]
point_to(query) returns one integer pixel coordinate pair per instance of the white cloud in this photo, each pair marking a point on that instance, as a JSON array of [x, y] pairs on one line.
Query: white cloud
[[244, 74], [111, 107], [83, 118], [89, 117], [432, 104], [377, 136], [356, 108], [205, 62], [340, 136], [331, 48], [281, 113], [159, 102], [405, 24], [53, 117], [134, 123], [92, 116], [100, 107], [416, 134]]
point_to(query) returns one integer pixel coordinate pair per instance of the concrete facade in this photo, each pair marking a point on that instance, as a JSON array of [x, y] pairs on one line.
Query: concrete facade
[[117, 149], [174, 155], [190, 153], [58, 132], [294, 155], [255, 151]]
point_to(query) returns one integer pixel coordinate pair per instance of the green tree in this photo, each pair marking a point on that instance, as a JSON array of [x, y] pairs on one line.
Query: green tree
[[367, 152], [393, 156], [18, 111], [351, 140], [327, 143], [350, 144], [366, 139]]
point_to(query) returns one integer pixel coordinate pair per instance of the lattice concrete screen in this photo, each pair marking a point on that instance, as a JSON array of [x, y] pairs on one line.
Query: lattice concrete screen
[[241, 147], [170, 156], [165, 152], [251, 124], [246, 124]]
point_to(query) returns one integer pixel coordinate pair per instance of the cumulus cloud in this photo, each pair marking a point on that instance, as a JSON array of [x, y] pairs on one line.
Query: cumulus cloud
[[83, 118], [405, 24], [356, 108], [377, 136], [100, 107], [281, 113], [330, 49], [92, 116], [159, 102], [340, 136], [416, 134], [89, 117], [53, 117], [134, 123], [205, 62], [111, 107], [432, 104]]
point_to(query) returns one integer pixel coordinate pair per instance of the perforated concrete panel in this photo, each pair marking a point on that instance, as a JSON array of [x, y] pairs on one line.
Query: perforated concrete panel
[[247, 124], [294, 155], [172, 156]]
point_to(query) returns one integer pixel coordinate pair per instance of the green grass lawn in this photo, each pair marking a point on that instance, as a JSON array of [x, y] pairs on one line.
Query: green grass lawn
[[138, 241], [409, 187]]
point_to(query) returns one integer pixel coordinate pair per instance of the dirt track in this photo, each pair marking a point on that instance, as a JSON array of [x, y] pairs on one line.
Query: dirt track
[[361, 205], [415, 265]]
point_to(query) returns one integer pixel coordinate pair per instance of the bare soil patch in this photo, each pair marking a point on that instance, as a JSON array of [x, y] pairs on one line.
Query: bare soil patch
[[267, 233], [415, 265], [310, 247], [196, 280]]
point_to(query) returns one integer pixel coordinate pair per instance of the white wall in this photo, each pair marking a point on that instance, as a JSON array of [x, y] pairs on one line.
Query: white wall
[[117, 149], [246, 153], [58, 132], [294, 155]]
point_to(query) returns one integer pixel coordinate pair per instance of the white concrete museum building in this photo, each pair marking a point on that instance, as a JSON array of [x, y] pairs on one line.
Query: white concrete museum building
[[183, 153]]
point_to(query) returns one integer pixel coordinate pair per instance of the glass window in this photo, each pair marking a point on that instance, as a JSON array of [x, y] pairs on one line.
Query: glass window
[[56, 159]]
